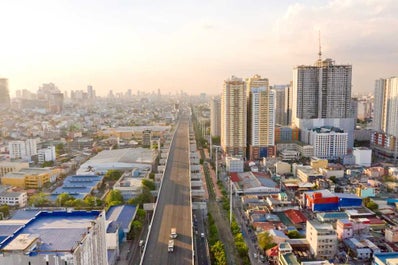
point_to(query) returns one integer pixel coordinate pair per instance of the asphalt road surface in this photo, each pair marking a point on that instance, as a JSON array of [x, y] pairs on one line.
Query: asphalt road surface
[[173, 207]]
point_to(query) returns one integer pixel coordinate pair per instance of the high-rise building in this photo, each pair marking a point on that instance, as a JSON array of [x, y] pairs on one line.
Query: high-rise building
[[322, 90], [56, 102], [215, 117], [90, 92], [386, 106], [22, 149], [261, 117], [4, 94], [385, 118], [283, 104], [322, 97], [234, 117]]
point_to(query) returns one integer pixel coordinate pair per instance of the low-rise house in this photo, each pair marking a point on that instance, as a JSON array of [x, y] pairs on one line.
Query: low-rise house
[[13, 198]]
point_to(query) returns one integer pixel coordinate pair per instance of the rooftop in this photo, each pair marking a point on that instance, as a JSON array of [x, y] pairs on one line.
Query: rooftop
[[122, 215], [50, 227], [77, 186]]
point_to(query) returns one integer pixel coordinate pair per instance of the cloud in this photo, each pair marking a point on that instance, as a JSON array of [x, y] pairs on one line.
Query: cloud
[[355, 31]]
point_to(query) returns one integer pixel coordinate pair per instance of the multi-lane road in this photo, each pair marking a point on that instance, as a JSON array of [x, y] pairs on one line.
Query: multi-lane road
[[173, 206]]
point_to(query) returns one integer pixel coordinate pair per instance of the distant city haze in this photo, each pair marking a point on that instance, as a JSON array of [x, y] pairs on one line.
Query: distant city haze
[[190, 46]]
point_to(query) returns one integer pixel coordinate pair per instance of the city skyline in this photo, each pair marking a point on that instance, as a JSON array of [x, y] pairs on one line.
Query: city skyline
[[165, 45]]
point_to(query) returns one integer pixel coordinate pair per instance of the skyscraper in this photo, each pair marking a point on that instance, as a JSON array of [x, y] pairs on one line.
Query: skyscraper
[[385, 120], [215, 117], [322, 90], [386, 108], [233, 117], [283, 104], [322, 97], [261, 116], [4, 94]]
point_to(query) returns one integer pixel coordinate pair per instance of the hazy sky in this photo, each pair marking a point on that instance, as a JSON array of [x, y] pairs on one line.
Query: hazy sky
[[190, 45]]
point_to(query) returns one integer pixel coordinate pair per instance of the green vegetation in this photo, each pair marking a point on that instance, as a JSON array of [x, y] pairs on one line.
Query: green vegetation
[[67, 200], [240, 243], [265, 241], [47, 164], [137, 224], [149, 184], [217, 251], [216, 140], [114, 197], [145, 197], [294, 234], [371, 205], [113, 175], [39, 200], [4, 211], [59, 149]]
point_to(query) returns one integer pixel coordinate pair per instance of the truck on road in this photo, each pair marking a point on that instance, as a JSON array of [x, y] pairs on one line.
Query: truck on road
[[173, 232], [171, 246]]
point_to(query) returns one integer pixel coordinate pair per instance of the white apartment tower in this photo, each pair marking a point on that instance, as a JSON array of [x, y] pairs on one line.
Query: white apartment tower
[[322, 97], [215, 117], [386, 106], [233, 117], [22, 149], [261, 115]]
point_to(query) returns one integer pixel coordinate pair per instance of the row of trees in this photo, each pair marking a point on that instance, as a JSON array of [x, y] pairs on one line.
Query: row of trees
[[216, 247], [240, 243], [113, 197]]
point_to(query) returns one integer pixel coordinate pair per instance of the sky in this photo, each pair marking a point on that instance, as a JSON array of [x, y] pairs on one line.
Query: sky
[[190, 45]]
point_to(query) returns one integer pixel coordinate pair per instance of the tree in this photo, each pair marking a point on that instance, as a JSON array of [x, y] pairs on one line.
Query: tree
[[5, 210], [93, 201], [113, 174], [294, 234], [59, 149], [140, 215], [218, 253], [39, 200], [47, 164], [265, 241], [145, 197], [235, 229], [114, 197], [63, 198], [149, 184]]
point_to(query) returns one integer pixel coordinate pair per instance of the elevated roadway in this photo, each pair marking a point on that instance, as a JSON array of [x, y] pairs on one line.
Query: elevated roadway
[[173, 207]]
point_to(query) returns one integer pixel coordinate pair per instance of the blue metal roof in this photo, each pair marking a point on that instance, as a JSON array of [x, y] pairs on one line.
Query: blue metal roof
[[123, 215], [384, 256], [53, 226], [25, 214], [78, 186]]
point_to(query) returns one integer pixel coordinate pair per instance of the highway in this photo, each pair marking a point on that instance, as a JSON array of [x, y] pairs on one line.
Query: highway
[[173, 206]]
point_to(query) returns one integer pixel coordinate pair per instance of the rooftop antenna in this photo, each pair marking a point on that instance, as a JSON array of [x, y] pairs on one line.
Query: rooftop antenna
[[320, 49]]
